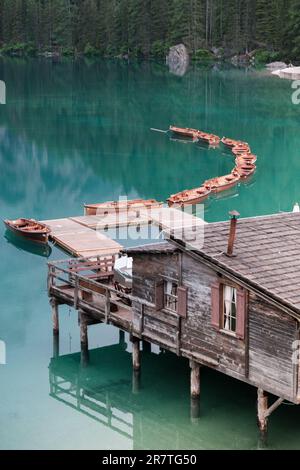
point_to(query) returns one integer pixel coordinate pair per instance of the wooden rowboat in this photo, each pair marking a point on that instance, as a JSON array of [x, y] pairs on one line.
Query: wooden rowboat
[[190, 196], [29, 229], [230, 142], [111, 207], [245, 159], [222, 183], [184, 131], [211, 139], [245, 170]]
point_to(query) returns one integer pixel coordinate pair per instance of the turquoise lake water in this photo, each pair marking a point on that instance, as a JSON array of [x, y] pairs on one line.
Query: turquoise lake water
[[75, 132]]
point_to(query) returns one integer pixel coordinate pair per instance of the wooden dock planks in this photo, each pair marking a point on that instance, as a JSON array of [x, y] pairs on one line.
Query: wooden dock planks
[[79, 240], [170, 219], [82, 236], [118, 219]]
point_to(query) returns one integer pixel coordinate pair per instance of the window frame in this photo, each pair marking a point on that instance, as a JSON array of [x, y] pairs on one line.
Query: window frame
[[172, 296], [230, 331], [217, 313]]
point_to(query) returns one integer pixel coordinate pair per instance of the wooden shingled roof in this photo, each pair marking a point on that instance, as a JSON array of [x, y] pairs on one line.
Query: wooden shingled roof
[[152, 248], [267, 253]]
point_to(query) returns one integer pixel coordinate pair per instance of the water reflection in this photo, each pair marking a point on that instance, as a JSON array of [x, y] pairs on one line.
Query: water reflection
[[33, 248], [154, 409], [81, 129]]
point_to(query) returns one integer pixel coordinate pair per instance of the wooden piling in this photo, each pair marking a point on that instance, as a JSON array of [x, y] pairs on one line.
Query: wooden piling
[[195, 409], [262, 411], [55, 345], [136, 381], [136, 355], [55, 316], [84, 339], [195, 379]]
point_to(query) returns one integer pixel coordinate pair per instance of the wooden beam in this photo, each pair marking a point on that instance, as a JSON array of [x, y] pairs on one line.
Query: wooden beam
[[274, 406]]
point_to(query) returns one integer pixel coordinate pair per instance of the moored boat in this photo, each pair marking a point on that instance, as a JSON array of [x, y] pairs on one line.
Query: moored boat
[[245, 170], [229, 142], [211, 139], [111, 207], [29, 229], [184, 131], [240, 149], [245, 158], [190, 196], [222, 183]]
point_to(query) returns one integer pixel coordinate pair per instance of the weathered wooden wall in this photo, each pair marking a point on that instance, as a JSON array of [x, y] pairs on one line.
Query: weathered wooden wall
[[271, 336], [263, 359], [158, 326]]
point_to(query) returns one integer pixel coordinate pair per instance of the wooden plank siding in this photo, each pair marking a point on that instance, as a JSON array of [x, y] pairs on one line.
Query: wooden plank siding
[[271, 336], [263, 358], [158, 326]]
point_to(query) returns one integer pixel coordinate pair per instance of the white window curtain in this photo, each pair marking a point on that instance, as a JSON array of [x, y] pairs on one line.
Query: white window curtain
[[229, 297], [169, 288]]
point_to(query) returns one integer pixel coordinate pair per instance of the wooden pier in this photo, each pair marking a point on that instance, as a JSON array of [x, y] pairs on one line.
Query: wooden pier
[[79, 240], [179, 296], [83, 236]]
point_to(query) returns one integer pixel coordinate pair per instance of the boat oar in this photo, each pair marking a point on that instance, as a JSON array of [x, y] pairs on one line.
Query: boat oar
[[159, 130]]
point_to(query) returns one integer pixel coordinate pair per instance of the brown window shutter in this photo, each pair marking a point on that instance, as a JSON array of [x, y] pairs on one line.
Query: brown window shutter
[[241, 313], [159, 295], [216, 305], [182, 301]]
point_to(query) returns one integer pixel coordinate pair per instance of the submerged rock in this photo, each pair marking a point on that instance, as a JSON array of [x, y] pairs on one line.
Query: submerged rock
[[178, 59]]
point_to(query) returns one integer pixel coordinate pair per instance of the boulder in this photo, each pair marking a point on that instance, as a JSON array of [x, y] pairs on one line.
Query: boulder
[[218, 52], [178, 59], [276, 66]]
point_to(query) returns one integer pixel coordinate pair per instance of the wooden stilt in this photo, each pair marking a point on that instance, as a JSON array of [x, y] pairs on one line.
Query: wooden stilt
[[55, 316], [195, 409], [136, 360], [195, 379], [55, 345], [136, 381], [84, 339], [262, 411], [121, 336]]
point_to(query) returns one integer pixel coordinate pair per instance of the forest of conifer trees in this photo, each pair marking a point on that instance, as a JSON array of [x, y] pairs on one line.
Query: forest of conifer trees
[[147, 28]]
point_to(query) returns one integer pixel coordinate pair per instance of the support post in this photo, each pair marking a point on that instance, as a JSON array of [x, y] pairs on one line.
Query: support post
[[84, 340], [136, 356], [195, 379], [55, 316], [262, 411], [195, 409], [136, 381], [55, 346]]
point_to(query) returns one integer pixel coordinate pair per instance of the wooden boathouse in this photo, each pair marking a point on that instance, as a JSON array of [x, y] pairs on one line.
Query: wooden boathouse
[[222, 295]]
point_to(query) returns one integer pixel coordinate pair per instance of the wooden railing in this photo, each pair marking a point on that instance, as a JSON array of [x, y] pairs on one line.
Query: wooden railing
[[90, 282]]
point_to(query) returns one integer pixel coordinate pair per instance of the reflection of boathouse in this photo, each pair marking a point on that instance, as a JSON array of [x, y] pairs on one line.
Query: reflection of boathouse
[[154, 414], [238, 315]]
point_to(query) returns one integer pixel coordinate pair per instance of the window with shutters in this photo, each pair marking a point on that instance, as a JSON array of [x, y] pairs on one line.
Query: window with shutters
[[229, 308], [171, 295]]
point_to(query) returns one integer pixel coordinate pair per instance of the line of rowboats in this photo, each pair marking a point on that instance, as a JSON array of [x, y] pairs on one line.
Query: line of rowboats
[[243, 169], [38, 232]]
